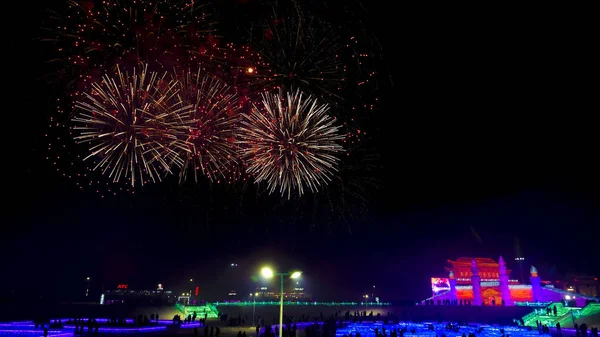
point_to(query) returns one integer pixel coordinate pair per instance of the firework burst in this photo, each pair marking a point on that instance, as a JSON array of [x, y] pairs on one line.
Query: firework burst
[[215, 115], [132, 127], [298, 51], [91, 37], [291, 144]]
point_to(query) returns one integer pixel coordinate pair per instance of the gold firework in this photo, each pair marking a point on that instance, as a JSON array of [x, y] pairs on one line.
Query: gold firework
[[291, 144], [134, 126]]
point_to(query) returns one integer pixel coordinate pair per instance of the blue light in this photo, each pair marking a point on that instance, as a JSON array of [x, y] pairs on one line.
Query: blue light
[[424, 330]]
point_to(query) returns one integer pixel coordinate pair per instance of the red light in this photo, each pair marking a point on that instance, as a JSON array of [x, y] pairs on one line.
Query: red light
[[122, 286], [196, 291]]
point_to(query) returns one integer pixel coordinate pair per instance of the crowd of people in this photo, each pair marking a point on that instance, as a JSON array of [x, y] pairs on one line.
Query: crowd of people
[[320, 327]]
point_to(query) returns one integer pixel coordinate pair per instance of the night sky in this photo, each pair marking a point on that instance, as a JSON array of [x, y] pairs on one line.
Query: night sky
[[485, 134]]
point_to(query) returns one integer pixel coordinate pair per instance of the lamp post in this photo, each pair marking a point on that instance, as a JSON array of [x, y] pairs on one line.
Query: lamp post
[[191, 286], [253, 307], [268, 273], [87, 286]]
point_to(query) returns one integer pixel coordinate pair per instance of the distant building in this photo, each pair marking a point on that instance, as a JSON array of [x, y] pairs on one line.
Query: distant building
[[123, 294], [295, 292], [581, 284], [483, 281]]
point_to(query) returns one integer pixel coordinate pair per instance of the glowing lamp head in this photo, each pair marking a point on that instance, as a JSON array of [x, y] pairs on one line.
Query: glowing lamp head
[[250, 70], [296, 274], [266, 272]]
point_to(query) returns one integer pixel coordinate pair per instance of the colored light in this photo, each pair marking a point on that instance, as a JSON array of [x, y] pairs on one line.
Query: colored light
[[33, 332], [250, 70], [423, 330], [125, 330], [266, 272], [297, 303]]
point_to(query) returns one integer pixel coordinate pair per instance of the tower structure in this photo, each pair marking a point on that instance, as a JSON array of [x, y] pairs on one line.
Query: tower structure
[[536, 287], [452, 281], [476, 282], [503, 276]]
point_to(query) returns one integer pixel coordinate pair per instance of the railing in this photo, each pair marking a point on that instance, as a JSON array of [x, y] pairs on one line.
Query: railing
[[590, 309], [530, 317], [532, 304], [180, 308], [213, 308], [264, 303], [563, 314], [209, 310]]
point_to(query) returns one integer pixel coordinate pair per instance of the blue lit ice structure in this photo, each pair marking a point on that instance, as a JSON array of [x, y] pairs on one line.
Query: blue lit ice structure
[[32, 332], [123, 330], [27, 328], [424, 330]]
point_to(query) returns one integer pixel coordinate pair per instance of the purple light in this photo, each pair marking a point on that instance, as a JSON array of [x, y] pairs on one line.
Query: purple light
[[69, 320], [190, 325], [16, 325], [108, 329], [30, 332]]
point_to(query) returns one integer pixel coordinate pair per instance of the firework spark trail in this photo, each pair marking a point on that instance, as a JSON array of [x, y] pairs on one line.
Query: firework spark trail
[[292, 144], [132, 127], [215, 116], [302, 53], [93, 36]]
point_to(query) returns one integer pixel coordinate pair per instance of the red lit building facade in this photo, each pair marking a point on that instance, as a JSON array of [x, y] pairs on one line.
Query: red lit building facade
[[483, 281]]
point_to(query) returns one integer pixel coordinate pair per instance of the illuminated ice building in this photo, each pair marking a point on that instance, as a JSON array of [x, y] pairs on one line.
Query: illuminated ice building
[[483, 281]]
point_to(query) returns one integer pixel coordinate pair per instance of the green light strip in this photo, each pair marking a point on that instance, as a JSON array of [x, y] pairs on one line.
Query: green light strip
[[267, 303]]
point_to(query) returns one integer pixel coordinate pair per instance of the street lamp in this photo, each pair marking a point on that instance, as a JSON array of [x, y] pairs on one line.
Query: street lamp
[[268, 273], [253, 307], [87, 286], [190, 294]]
